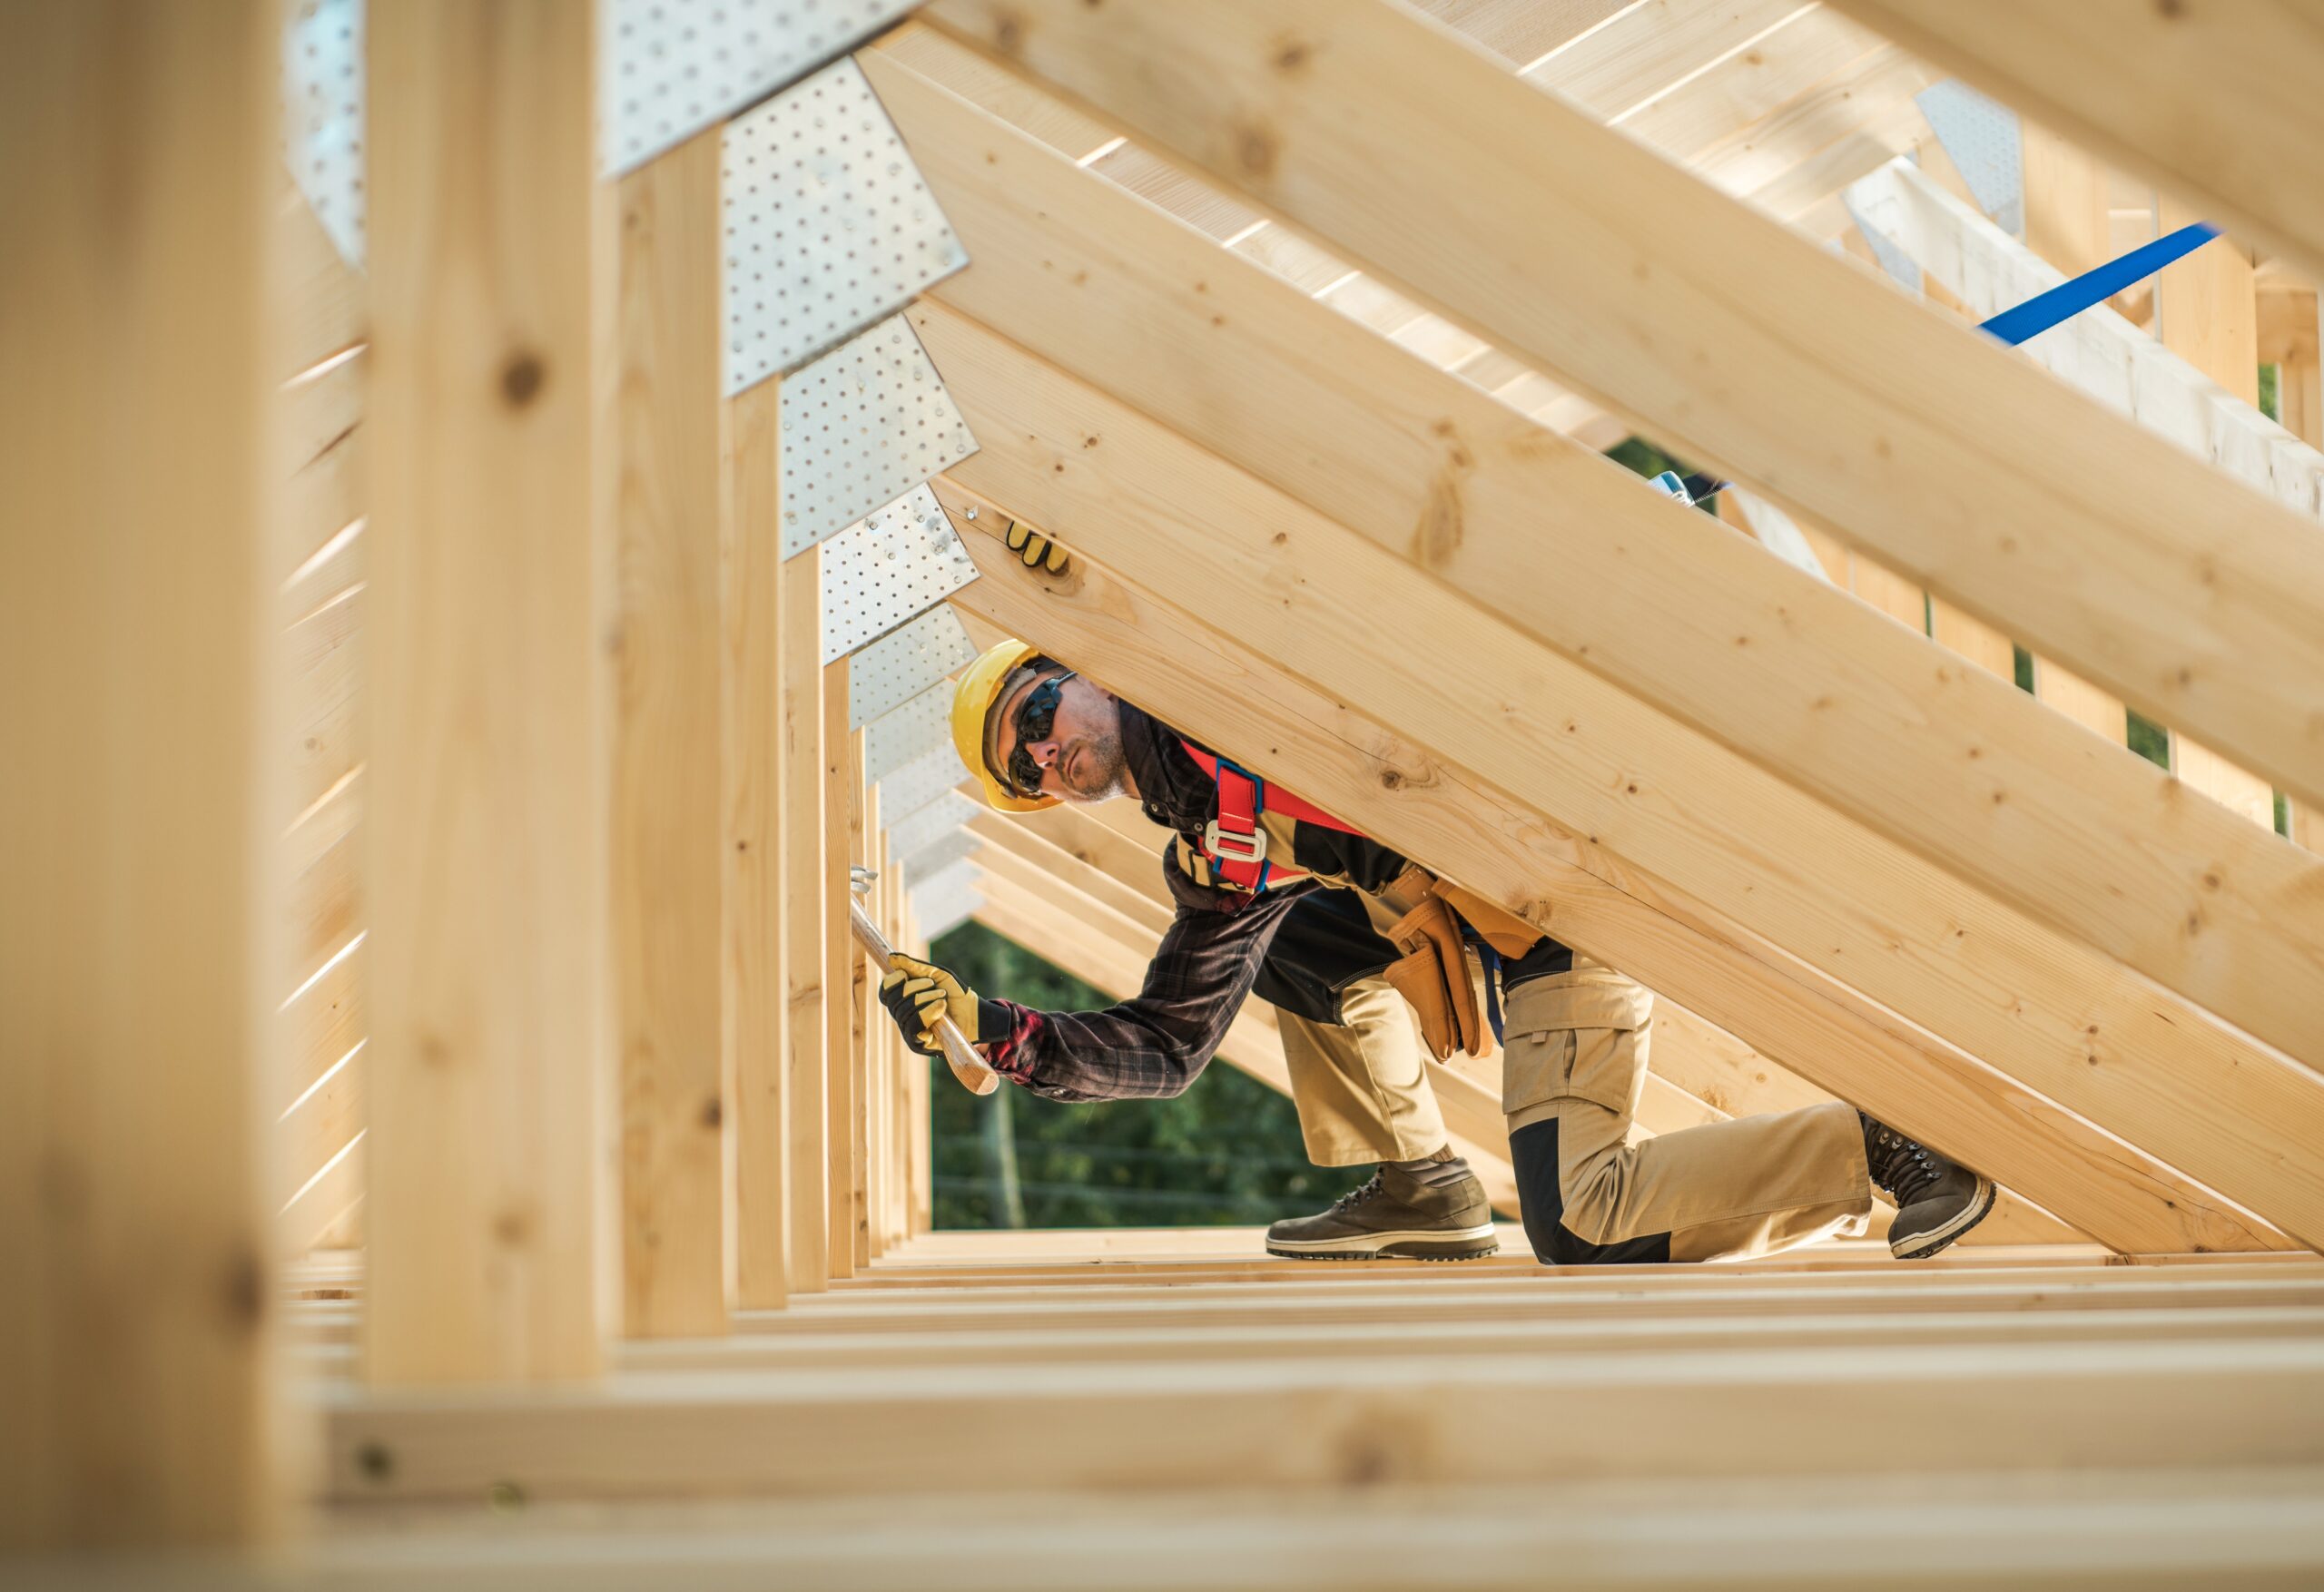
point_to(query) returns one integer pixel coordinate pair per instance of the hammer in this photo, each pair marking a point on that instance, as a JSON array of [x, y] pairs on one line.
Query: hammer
[[958, 1053]]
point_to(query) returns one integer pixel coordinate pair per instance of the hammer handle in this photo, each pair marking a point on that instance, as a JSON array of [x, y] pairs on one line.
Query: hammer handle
[[967, 1066]]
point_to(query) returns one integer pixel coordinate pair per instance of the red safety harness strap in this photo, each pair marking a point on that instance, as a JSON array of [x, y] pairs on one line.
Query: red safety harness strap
[[1236, 845]]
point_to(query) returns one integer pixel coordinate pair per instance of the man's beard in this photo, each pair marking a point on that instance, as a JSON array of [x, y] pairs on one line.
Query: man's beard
[[1098, 762]]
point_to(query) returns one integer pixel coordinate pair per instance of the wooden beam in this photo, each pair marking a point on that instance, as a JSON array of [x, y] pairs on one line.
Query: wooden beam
[[1037, 422], [1523, 31], [140, 815], [488, 863], [1730, 96], [2288, 339], [756, 1000], [664, 817], [864, 837], [1468, 828], [806, 908], [1440, 475], [1539, 1418], [842, 965], [1650, 46], [886, 1051], [1345, 118], [2211, 102], [318, 562]]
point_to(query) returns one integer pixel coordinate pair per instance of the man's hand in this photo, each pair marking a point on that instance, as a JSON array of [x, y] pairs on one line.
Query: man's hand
[[1034, 550], [916, 993]]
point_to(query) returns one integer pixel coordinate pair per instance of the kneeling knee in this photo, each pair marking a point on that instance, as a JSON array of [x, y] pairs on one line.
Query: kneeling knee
[[1560, 1245]]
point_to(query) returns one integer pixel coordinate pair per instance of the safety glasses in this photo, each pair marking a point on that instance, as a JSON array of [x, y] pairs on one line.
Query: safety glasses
[[1036, 716]]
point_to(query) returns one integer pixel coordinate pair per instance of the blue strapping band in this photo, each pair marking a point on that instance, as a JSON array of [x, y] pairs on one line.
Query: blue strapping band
[[2068, 299], [2038, 314]]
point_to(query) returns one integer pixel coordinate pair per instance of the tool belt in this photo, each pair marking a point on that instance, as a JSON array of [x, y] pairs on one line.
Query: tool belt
[[1439, 917], [1433, 974]]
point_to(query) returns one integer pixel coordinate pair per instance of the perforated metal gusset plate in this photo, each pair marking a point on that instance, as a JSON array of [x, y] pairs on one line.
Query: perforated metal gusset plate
[[667, 69], [890, 570], [904, 663], [322, 115], [1984, 142], [932, 822], [920, 781], [939, 854], [861, 427], [906, 734], [829, 226], [946, 904]]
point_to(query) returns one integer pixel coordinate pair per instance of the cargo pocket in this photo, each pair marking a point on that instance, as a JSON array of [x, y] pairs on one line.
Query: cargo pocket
[[1574, 1036]]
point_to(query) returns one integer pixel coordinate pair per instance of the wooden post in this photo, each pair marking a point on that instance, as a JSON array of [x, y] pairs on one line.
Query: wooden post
[[2206, 310], [140, 844], [878, 1087], [915, 1143], [863, 833], [664, 751], [756, 1003], [902, 1059], [805, 893], [841, 961], [487, 858], [487, 844], [316, 449], [2288, 340]]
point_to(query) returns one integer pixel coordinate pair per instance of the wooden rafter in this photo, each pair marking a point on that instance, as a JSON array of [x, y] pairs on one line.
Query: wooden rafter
[[1349, 459], [2043, 519], [1572, 551], [1439, 811], [2215, 103]]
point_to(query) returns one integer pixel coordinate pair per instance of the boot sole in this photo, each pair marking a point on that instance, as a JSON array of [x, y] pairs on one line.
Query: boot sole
[[1921, 1246], [1472, 1245]]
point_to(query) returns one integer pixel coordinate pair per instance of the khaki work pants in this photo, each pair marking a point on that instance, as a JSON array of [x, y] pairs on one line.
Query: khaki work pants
[[1576, 1061], [1361, 1087]]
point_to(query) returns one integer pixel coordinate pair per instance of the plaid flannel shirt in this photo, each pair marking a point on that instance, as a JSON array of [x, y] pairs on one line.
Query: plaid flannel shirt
[[1159, 1042]]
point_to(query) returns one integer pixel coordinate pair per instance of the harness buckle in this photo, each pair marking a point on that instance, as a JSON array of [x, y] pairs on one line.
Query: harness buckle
[[1233, 848]]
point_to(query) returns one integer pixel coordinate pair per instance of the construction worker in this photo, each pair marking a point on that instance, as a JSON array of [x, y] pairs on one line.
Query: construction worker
[[1247, 855]]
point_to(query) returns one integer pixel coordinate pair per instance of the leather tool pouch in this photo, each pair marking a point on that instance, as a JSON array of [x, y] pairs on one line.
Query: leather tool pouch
[[1433, 975], [1506, 932]]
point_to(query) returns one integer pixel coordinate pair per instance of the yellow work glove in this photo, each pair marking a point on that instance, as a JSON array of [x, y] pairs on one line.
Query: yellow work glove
[[916, 993], [1034, 550]]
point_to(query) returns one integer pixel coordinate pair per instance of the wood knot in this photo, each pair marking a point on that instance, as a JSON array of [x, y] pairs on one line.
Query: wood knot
[[244, 1289], [713, 1112], [521, 378], [1255, 150]]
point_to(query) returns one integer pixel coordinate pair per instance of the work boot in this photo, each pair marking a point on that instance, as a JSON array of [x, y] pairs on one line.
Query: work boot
[[1396, 1216], [1938, 1199]]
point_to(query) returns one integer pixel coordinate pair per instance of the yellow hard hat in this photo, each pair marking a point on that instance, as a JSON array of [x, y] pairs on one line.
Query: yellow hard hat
[[972, 705]]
